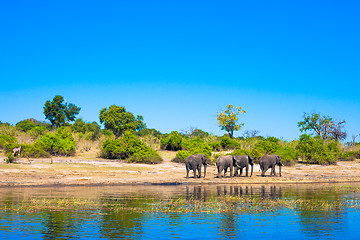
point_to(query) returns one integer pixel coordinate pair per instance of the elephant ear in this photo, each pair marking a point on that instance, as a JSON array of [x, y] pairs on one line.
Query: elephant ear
[[234, 161]]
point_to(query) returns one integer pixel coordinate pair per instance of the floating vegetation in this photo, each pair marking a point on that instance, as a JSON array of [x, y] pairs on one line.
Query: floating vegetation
[[237, 204]]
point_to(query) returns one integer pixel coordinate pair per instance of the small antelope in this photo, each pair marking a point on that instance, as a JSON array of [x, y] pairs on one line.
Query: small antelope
[[16, 151]]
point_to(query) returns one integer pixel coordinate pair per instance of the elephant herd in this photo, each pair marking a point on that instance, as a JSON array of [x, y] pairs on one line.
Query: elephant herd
[[234, 163]]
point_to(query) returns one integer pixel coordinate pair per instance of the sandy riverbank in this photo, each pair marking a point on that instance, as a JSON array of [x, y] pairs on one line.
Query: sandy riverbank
[[82, 170]]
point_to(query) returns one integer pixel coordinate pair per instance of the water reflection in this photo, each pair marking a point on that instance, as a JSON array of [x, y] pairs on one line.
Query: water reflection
[[301, 222]]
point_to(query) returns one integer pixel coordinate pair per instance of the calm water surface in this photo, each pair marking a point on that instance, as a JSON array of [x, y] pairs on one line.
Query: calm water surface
[[339, 223]]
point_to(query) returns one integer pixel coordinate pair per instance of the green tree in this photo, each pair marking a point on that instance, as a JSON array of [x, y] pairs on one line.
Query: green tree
[[323, 126], [228, 119], [59, 113], [118, 120]]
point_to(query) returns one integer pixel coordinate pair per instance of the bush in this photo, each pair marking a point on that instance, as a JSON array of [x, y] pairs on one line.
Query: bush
[[172, 142], [10, 158], [5, 139], [193, 146], [241, 152], [316, 150], [181, 156], [28, 150], [287, 154], [131, 148], [349, 155], [228, 143], [268, 146], [59, 143]]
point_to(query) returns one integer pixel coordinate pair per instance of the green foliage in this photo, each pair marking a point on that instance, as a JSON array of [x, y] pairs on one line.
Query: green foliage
[[131, 148], [90, 130], [181, 156], [215, 146], [33, 151], [325, 126], [316, 150], [118, 120], [10, 158], [228, 120], [228, 143], [29, 124], [37, 131], [240, 152], [192, 146], [107, 133], [287, 154], [149, 131], [25, 125], [59, 143], [59, 113], [268, 146], [5, 139], [172, 142], [79, 126]]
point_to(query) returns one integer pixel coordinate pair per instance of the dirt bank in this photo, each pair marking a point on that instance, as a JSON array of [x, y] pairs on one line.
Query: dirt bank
[[89, 170]]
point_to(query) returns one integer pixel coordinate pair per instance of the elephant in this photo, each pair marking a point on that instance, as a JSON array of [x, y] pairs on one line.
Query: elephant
[[244, 161], [270, 161], [194, 162], [225, 162]]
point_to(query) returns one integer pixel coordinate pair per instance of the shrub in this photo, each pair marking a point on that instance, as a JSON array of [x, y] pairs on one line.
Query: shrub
[[131, 148], [172, 142], [37, 131], [215, 146], [316, 150], [193, 146], [4, 139], [241, 152], [59, 143], [228, 143], [149, 131], [28, 150], [10, 158], [287, 154], [349, 155], [181, 156]]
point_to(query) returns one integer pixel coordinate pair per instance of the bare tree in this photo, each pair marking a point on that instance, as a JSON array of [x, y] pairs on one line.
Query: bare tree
[[353, 137], [250, 133]]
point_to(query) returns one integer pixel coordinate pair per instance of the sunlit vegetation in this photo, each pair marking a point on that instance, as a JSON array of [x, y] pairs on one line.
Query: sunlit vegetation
[[125, 137]]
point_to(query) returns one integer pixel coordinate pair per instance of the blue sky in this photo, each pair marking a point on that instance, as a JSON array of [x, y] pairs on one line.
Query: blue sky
[[179, 62]]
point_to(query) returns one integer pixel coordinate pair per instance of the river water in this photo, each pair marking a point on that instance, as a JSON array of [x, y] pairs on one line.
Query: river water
[[339, 221]]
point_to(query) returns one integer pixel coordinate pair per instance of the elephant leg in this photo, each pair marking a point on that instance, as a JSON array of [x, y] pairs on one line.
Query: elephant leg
[[236, 171], [247, 171], [241, 171], [199, 171], [187, 172], [195, 176], [263, 170], [231, 171], [225, 170], [273, 171], [220, 168]]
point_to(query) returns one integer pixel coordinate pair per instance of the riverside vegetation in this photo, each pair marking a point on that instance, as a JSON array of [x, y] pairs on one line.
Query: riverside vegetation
[[126, 137]]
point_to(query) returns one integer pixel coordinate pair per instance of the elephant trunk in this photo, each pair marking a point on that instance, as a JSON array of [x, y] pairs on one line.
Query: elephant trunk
[[205, 170], [280, 170], [252, 168]]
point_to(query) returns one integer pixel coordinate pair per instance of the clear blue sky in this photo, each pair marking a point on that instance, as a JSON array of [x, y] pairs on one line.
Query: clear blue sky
[[179, 62]]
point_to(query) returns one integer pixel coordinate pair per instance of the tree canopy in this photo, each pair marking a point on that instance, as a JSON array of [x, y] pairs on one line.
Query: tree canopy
[[59, 113], [118, 120], [228, 119], [323, 126]]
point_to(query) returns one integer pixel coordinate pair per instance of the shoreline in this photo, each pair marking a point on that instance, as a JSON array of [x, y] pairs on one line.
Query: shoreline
[[77, 171]]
